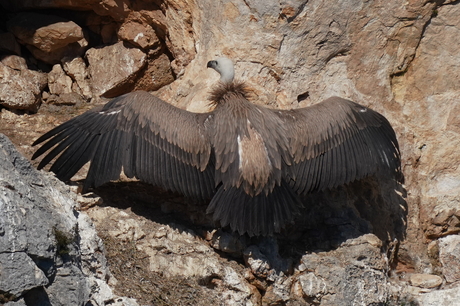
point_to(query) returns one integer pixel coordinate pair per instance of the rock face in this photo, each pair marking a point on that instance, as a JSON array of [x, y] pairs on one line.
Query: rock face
[[48, 251], [124, 64], [14, 77], [48, 37], [399, 58]]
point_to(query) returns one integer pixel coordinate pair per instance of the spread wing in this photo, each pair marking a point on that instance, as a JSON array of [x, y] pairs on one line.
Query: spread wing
[[336, 142], [141, 134]]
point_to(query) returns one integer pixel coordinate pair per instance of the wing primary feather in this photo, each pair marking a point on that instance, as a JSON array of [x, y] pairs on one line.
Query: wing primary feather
[[51, 143], [74, 157], [63, 143]]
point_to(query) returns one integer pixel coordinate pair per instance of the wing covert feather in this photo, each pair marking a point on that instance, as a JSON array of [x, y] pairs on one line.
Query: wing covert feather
[[147, 137], [338, 141]]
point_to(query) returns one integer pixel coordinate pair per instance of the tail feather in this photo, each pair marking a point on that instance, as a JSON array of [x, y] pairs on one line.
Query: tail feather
[[258, 215]]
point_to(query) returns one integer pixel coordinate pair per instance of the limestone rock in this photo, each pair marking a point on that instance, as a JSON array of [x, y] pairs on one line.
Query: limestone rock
[[425, 280], [20, 88], [19, 273], [28, 5], [20, 302], [264, 260], [354, 273], [428, 102], [312, 286], [229, 243], [179, 17], [446, 297], [399, 58], [141, 35], [449, 256], [45, 32], [48, 37], [114, 69], [58, 82], [156, 74], [49, 253], [176, 252], [77, 70]]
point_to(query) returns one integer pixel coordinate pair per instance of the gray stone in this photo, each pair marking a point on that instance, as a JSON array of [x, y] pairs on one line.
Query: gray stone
[[69, 287], [49, 253], [228, 242], [355, 273], [264, 260], [20, 302], [77, 70], [19, 273], [312, 285], [446, 297]]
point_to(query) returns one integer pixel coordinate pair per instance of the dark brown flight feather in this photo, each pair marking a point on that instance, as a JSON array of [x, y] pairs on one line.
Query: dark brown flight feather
[[252, 162]]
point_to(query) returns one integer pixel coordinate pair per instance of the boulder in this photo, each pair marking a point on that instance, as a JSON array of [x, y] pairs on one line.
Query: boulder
[[138, 34], [48, 37], [49, 253], [449, 256], [20, 87], [114, 69], [156, 74], [59, 82], [77, 70]]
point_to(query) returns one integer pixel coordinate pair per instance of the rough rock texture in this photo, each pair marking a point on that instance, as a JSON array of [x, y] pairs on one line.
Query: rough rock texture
[[48, 37], [58, 82], [399, 58], [14, 78], [75, 68], [117, 61], [449, 256], [49, 253]]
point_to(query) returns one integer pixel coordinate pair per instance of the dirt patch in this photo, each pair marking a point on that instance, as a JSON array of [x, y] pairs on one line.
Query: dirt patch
[[130, 267]]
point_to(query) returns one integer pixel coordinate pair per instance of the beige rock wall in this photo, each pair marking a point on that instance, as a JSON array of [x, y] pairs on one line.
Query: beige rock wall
[[400, 58]]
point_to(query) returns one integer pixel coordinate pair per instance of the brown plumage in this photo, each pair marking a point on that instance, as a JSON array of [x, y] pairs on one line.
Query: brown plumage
[[251, 161]]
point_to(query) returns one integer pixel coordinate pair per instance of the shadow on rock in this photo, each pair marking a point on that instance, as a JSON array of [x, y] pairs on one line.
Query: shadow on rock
[[328, 219], [331, 217]]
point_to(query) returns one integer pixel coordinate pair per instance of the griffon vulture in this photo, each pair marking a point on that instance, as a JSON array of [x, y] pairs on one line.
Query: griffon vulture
[[251, 161]]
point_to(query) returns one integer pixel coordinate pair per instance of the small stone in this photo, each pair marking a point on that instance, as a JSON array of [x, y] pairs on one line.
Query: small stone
[[161, 232], [139, 34], [88, 200], [449, 256], [58, 82], [425, 280], [312, 285], [228, 243]]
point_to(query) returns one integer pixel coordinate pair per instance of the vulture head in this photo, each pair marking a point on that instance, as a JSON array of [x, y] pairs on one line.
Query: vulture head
[[227, 88], [225, 68]]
